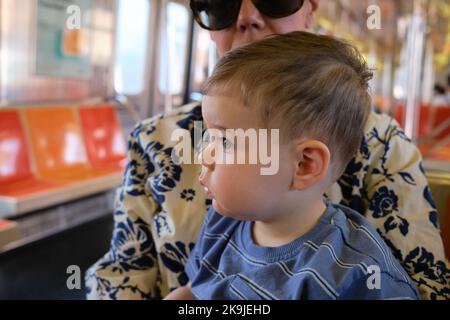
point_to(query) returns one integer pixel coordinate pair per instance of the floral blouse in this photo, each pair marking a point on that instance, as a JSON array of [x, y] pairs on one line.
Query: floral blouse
[[160, 207]]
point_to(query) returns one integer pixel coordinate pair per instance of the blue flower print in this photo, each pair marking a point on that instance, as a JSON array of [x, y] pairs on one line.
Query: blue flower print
[[133, 246], [174, 258], [168, 174], [384, 202], [188, 194]]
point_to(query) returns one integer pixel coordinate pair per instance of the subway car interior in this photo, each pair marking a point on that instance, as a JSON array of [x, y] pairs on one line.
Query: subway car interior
[[77, 76]]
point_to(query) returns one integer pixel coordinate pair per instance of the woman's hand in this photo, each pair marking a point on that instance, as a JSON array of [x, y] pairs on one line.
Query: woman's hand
[[182, 293]]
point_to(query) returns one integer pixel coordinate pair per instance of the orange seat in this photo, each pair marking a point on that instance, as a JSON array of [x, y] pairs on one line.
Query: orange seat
[[442, 114], [424, 127], [57, 145], [424, 120], [103, 137], [400, 115], [5, 224], [16, 178]]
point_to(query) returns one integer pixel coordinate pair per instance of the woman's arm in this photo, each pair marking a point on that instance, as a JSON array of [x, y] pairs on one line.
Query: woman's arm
[[396, 199], [123, 273], [182, 293]]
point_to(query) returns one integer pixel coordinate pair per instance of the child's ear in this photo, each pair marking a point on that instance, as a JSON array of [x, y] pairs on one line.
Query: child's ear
[[311, 163]]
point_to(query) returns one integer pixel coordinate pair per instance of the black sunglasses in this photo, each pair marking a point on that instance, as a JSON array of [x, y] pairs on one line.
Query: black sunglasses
[[220, 14]]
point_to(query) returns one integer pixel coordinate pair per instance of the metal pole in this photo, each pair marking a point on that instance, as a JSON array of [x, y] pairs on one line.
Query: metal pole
[[415, 46]]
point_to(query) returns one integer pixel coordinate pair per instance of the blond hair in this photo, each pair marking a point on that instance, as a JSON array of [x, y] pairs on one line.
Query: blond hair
[[306, 85]]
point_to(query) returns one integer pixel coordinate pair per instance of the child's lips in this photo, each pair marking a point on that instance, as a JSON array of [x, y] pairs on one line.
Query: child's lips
[[206, 190]]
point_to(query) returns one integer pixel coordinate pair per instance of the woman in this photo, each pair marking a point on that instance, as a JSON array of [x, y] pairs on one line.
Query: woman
[[160, 206]]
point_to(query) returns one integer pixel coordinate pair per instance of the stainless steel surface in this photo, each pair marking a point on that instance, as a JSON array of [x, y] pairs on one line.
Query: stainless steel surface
[[415, 50], [161, 101], [18, 81], [50, 221]]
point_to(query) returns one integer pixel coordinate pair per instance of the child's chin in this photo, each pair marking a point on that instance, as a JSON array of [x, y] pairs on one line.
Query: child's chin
[[227, 213], [219, 208]]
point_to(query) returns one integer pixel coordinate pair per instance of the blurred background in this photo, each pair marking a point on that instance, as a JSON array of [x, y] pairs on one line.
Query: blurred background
[[70, 96]]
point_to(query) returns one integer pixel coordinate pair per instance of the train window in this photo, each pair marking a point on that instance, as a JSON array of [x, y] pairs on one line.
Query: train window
[[131, 53], [173, 52], [203, 59]]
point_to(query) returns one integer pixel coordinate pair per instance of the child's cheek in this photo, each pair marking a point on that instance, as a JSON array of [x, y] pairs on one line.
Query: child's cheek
[[231, 185]]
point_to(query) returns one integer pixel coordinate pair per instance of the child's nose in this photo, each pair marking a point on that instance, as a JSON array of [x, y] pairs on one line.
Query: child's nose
[[206, 157]]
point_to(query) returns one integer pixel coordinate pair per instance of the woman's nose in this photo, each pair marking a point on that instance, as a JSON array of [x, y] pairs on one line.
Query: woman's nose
[[249, 19]]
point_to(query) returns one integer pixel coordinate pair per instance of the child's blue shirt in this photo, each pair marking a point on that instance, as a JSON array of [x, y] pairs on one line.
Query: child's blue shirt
[[342, 257]]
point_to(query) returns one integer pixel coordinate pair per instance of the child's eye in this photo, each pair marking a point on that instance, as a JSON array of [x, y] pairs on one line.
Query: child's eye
[[206, 137], [227, 144]]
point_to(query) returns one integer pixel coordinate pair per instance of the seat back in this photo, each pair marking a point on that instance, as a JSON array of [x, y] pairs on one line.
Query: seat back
[[399, 114], [103, 137], [56, 141], [442, 114], [14, 157], [424, 127]]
